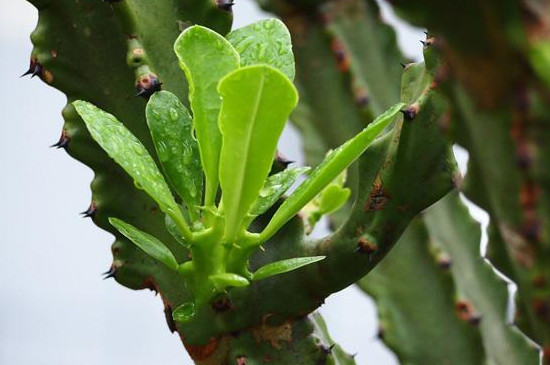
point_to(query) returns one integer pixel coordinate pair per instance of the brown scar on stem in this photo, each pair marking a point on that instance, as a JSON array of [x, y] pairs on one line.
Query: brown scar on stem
[[519, 248], [378, 198], [273, 334]]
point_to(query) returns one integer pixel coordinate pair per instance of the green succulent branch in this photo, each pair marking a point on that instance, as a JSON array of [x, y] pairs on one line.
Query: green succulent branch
[[197, 204]]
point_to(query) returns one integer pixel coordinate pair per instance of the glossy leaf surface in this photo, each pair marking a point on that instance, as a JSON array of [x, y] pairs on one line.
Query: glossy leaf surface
[[184, 313], [274, 187], [171, 128], [206, 57], [123, 147], [283, 266], [265, 42], [257, 101], [151, 245]]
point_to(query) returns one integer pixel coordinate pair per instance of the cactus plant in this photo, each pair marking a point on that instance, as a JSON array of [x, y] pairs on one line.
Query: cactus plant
[[483, 85]]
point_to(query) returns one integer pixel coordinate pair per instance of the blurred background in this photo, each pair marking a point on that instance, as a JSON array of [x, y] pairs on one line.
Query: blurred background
[[54, 306]]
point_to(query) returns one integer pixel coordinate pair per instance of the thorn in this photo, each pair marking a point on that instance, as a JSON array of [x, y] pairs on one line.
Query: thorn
[[404, 65], [90, 212], [63, 141], [410, 112], [147, 85], [226, 5], [109, 273], [380, 334], [35, 69], [327, 350], [444, 262], [364, 246], [475, 320], [282, 160]]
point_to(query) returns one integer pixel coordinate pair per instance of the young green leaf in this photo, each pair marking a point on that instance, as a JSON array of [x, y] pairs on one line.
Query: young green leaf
[[184, 313], [151, 245], [257, 101], [274, 187], [171, 128], [335, 162], [123, 147], [329, 200], [222, 281], [280, 267], [268, 42], [206, 57]]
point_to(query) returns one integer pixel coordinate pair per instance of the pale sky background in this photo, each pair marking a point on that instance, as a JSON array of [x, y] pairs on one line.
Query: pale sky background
[[54, 306]]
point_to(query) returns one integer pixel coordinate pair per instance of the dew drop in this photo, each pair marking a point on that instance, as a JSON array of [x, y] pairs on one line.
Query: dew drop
[[173, 114], [162, 151]]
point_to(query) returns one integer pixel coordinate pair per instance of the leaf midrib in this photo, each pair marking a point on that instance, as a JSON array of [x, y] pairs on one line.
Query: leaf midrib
[[248, 139]]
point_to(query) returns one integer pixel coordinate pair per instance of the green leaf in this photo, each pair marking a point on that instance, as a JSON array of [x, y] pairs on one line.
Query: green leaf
[[257, 101], [206, 57], [171, 128], [280, 267], [265, 42], [172, 228], [274, 187], [184, 313], [332, 198], [222, 281], [329, 200], [151, 245], [123, 147], [335, 162]]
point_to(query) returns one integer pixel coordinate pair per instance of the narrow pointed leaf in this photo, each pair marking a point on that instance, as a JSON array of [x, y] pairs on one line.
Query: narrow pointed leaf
[[274, 187], [184, 313], [335, 162], [280, 267], [206, 57], [123, 147], [151, 245], [257, 101], [266, 41], [172, 228], [222, 281], [171, 128], [332, 198]]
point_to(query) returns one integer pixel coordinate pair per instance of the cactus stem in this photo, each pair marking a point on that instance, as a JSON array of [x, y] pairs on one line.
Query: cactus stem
[[63, 141]]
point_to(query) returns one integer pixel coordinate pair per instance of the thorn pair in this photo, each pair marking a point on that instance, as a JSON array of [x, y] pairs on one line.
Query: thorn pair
[[35, 69], [63, 141], [90, 212], [109, 273], [147, 85]]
